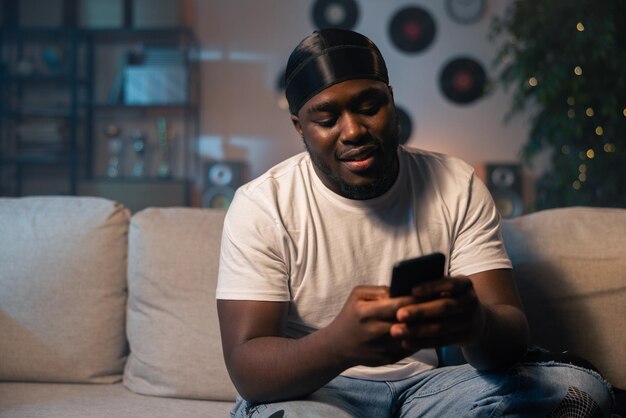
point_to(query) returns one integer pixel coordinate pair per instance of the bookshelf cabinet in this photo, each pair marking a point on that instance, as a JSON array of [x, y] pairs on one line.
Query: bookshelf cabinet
[[98, 112]]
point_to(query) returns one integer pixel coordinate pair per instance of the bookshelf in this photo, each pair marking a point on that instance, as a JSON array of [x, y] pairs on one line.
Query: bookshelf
[[87, 110]]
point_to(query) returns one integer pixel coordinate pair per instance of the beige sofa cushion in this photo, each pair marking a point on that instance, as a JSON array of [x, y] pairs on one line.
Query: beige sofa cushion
[[570, 266], [43, 400], [62, 289], [172, 318]]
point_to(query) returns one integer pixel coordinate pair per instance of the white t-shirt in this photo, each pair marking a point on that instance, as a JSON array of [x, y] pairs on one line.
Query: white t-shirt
[[288, 238]]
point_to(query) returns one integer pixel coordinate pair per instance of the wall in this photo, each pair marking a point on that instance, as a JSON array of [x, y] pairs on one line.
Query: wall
[[246, 44]]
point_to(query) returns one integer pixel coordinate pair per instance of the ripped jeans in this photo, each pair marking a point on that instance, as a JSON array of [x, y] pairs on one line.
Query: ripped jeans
[[530, 389]]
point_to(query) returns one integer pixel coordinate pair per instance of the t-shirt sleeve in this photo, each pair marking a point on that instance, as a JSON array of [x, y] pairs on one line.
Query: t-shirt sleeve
[[252, 265], [478, 244]]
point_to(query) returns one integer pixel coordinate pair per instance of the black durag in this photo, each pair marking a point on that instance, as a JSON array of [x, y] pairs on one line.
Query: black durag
[[327, 57]]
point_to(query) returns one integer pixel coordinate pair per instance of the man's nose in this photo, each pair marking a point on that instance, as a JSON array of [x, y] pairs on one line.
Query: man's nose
[[352, 127]]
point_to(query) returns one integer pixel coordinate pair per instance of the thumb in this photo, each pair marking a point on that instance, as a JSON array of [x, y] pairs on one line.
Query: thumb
[[371, 292]]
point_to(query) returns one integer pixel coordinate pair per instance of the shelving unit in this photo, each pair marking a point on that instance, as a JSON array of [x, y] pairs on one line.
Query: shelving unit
[[167, 122], [122, 87], [44, 109]]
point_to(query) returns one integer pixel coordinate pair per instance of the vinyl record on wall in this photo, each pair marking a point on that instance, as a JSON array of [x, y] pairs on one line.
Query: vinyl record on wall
[[405, 125], [281, 81], [339, 14], [412, 29], [465, 11], [281, 99], [462, 80]]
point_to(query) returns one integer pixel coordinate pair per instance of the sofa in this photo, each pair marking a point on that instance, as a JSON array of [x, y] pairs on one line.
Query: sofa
[[104, 313]]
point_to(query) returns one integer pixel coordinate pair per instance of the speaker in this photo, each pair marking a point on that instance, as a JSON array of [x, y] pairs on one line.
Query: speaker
[[505, 184], [221, 180]]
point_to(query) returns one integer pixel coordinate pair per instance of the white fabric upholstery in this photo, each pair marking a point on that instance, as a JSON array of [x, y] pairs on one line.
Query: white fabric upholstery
[[62, 289], [570, 267], [172, 319]]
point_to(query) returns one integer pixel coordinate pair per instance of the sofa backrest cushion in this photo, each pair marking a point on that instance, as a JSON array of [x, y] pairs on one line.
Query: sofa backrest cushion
[[570, 268], [172, 317], [62, 289]]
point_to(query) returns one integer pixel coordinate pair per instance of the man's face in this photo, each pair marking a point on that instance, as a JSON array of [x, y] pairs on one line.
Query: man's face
[[351, 132]]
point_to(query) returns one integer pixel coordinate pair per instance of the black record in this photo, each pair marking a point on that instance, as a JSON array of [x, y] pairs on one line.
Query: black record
[[412, 29], [281, 81], [465, 11], [463, 80], [280, 90], [405, 125], [338, 14]]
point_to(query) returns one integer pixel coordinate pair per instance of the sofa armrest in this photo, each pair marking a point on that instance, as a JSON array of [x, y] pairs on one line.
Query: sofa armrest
[[570, 266]]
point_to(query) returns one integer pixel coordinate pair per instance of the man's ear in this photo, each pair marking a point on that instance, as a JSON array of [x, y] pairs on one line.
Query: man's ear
[[296, 124], [390, 90]]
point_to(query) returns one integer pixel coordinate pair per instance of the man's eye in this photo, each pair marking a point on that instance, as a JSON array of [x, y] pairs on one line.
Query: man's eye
[[326, 123], [370, 110], [370, 107]]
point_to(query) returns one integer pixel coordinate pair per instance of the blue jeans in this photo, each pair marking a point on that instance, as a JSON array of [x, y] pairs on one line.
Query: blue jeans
[[547, 389]]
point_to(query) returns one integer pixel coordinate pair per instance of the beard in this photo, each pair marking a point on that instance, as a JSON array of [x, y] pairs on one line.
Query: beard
[[386, 178]]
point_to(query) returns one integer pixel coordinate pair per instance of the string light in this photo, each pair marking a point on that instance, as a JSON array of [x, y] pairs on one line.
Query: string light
[[578, 70], [571, 101], [599, 131], [576, 185], [624, 111], [590, 153], [571, 114], [565, 149], [589, 112], [609, 147], [583, 172], [533, 83], [580, 26]]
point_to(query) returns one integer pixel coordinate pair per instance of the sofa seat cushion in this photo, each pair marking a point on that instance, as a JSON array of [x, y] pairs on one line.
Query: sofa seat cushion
[[58, 400], [62, 289], [172, 322], [570, 266]]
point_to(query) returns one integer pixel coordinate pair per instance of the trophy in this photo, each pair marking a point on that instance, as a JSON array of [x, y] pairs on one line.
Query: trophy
[[138, 141], [116, 146]]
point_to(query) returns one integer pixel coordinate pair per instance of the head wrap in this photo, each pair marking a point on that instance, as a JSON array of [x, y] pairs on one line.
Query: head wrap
[[327, 57]]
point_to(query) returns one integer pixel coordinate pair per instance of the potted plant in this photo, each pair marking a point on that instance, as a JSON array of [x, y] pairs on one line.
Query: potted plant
[[566, 63]]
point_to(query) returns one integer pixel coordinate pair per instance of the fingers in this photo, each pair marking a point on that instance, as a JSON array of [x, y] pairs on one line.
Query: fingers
[[442, 313], [374, 302], [362, 328], [443, 307], [370, 292], [454, 331], [449, 286], [457, 325], [436, 314]]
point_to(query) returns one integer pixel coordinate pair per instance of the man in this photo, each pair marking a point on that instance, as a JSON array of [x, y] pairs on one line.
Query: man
[[308, 326]]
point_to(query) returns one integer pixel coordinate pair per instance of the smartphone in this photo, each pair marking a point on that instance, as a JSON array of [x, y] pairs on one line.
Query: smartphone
[[406, 274]]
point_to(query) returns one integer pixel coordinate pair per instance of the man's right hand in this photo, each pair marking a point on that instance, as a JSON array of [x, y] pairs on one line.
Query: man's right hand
[[360, 334]]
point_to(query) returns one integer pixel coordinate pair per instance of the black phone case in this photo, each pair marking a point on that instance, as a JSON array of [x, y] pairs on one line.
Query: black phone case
[[408, 273]]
